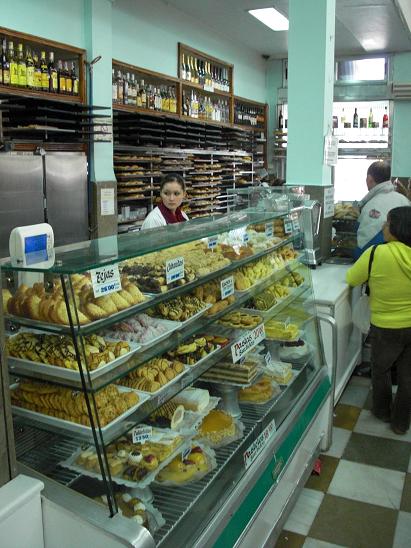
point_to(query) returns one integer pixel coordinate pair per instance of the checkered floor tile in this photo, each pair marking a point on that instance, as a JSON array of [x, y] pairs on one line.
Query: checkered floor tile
[[362, 498]]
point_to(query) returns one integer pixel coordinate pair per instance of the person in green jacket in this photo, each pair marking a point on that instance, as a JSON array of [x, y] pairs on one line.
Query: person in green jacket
[[390, 305]]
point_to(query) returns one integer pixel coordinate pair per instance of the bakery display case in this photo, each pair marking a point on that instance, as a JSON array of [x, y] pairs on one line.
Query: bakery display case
[[154, 374]]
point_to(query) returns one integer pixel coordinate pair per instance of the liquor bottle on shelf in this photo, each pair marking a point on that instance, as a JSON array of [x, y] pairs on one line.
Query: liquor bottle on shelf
[[173, 101], [138, 95], [61, 77], [143, 95], [280, 120], [14, 75], [151, 99], [29, 69], [114, 95], [188, 70], [192, 71], [370, 119], [21, 67], [385, 118], [132, 90], [126, 88], [120, 88], [74, 79], [343, 119], [69, 82], [37, 78], [196, 71], [5, 64], [44, 72], [355, 119], [53, 82], [183, 68]]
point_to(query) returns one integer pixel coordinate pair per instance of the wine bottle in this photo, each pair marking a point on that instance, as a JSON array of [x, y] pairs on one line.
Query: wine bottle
[[280, 120], [5, 65], [183, 68], [125, 88], [343, 120], [21, 67], [61, 77], [29, 69], [74, 79], [143, 95], [385, 118], [53, 80], [355, 119], [114, 96], [37, 73], [120, 88], [14, 75], [44, 72], [370, 119]]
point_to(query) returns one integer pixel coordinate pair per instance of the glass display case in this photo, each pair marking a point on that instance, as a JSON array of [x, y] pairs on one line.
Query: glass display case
[[150, 370]]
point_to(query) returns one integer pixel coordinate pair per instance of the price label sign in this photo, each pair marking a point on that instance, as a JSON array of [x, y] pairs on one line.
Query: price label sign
[[247, 342], [185, 453], [227, 287], [288, 225], [269, 230], [105, 280], [268, 359], [259, 444], [174, 269], [212, 242], [141, 434], [295, 222], [246, 238]]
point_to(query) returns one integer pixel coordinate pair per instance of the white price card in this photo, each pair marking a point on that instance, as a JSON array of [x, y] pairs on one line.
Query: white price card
[[295, 221], [107, 201], [174, 269], [105, 280], [247, 342], [212, 242], [141, 434], [268, 359], [227, 287], [288, 225], [246, 238], [258, 444], [269, 230]]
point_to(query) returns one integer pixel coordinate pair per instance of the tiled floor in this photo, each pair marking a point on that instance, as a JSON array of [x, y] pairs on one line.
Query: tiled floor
[[362, 499]]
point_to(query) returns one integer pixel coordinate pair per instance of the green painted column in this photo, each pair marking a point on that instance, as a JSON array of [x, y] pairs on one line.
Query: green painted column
[[310, 89], [401, 156], [98, 41]]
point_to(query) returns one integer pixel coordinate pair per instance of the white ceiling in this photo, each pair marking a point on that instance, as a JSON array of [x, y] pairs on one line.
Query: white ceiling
[[361, 27]]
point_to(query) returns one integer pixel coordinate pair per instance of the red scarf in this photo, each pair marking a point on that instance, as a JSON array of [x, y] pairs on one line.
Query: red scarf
[[171, 217]]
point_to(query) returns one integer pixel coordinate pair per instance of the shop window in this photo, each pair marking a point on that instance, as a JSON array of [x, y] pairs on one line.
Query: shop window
[[360, 70]]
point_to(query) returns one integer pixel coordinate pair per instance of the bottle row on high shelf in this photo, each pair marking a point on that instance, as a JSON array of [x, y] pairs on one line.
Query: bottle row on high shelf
[[210, 76], [205, 108], [362, 122], [28, 70], [128, 90], [249, 115]]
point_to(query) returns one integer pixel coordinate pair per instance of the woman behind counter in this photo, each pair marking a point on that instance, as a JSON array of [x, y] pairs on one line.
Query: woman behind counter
[[172, 194], [390, 305]]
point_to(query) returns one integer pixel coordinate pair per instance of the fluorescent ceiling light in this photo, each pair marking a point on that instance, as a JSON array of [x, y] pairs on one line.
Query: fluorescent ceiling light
[[271, 17]]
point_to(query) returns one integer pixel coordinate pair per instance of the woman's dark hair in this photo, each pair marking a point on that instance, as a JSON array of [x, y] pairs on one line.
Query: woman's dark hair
[[380, 171], [173, 178], [399, 222]]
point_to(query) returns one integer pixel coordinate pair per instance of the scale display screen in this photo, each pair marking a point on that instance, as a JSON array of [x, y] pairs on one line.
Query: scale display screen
[[35, 248]]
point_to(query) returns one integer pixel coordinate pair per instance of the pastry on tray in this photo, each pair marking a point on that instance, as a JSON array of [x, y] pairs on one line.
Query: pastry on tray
[[238, 373], [216, 427], [261, 391], [281, 330], [141, 328], [211, 293], [179, 309], [169, 415], [193, 399], [195, 349], [154, 374], [49, 306], [183, 470], [241, 320], [129, 506], [294, 350], [59, 350], [281, 372], [70, 405]]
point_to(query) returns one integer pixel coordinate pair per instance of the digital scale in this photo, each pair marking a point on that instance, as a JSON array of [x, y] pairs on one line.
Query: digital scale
[[32, 246]]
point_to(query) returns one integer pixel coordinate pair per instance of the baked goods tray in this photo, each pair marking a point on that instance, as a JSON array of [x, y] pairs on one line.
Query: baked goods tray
[[227, 382], [218, 347], [22, 320], [192, 419], [165, 386], [238, 434], [276, 392], [22, 366], [173, 326], [268, 314], [196, 316], [149, 478], [71, 428]]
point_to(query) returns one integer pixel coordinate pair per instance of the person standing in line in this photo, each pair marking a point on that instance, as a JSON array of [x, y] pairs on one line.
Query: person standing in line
[[381, 197], [172, 194], [390, 305]]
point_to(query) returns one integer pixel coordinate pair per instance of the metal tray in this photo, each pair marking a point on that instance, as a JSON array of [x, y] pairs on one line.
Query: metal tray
[[143, 346], [165, 386], [72, 427], [19, 365], [149, 478]]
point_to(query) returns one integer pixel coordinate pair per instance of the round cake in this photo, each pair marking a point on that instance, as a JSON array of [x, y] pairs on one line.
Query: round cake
[[217, 426], [295, 350]]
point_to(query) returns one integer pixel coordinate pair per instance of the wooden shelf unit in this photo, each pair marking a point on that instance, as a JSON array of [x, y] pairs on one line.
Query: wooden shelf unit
[[62, 51]]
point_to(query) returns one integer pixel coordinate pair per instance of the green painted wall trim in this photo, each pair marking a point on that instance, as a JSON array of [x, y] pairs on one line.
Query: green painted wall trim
[[401, 157], [253, 500]]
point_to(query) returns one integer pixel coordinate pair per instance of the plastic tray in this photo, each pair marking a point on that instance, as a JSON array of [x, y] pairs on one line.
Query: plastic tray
[[218, 347], [74, 428], [211, 465], [149, 478], [19, 365], [165, 386], [192, 318], [173, 326]]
